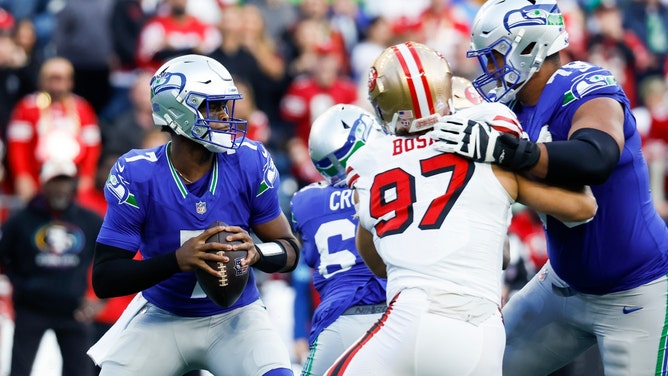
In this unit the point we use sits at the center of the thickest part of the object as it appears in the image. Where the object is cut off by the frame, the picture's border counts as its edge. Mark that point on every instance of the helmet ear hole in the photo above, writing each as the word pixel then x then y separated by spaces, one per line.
pixel 528 49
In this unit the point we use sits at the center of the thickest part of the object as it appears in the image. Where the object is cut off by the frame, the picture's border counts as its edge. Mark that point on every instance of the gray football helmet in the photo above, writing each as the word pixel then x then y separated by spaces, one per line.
pixel 524 32
pixel 336 135
pixel 188 94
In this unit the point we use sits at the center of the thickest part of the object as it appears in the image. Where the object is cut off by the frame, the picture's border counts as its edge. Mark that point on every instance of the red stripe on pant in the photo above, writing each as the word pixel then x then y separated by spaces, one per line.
pixel 339 367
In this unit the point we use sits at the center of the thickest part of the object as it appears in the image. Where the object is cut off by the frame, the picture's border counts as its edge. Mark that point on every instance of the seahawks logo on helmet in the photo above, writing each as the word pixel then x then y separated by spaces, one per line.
pixel 167 81
pixel 545 14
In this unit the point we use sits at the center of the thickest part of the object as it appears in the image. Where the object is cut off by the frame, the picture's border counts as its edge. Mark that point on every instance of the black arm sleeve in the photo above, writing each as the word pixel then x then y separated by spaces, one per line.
pixel 587 158
pixel 516 154
pixel 115 273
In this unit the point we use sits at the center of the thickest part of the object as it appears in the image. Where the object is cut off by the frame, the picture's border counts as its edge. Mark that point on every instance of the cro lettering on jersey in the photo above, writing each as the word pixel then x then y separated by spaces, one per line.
pixel 340 200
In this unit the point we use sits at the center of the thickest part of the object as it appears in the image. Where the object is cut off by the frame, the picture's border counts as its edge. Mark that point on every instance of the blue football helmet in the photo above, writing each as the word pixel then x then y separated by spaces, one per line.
pixel 524 32
pixel 189 93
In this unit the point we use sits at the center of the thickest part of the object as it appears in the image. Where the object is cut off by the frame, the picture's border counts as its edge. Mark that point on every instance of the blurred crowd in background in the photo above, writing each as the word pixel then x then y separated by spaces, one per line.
pixel 74 80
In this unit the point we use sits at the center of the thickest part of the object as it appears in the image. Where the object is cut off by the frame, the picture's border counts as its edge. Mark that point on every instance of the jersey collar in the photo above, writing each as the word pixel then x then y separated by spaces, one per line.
pixel 213 181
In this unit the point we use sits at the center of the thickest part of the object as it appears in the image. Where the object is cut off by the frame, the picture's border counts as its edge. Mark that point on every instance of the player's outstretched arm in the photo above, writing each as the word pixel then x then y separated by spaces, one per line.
pixel 564 204
pixel 280 250
pixel 596 136
pixel 480 141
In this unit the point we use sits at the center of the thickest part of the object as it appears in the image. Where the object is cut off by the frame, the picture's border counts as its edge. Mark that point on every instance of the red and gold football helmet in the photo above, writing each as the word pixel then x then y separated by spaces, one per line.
pixel 410 87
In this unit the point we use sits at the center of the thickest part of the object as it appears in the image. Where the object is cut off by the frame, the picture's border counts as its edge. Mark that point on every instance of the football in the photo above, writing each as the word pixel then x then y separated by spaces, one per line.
pixel 226 289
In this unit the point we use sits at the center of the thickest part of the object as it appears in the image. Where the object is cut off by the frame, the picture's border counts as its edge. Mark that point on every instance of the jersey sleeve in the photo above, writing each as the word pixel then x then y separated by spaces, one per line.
pixel 265 205
pixel 20 140
pixel 579 82
pixel 355 164
pixel 303 206
pixel 295 212
pixel 122 224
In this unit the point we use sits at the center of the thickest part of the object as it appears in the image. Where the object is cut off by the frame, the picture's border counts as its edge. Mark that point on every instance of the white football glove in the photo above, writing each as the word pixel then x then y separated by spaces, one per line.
pixel 469 138
pixel 479 141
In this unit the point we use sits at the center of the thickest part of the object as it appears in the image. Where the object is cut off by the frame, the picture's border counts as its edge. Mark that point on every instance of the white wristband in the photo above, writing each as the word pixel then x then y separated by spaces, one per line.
pixel 270 249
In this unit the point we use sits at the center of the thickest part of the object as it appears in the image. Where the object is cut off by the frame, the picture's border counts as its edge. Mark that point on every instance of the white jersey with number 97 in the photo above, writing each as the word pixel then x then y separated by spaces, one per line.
pixel 439 221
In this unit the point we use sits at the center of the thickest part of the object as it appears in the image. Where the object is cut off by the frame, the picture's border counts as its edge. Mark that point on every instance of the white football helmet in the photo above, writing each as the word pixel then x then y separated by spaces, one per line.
pixel 186 93
pixel 410 87
pixel 335 135
pixel 524 32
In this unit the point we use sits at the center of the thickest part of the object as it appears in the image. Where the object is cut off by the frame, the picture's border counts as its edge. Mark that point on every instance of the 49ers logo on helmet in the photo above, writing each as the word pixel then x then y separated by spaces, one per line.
pixel 373 75
pixel 472 95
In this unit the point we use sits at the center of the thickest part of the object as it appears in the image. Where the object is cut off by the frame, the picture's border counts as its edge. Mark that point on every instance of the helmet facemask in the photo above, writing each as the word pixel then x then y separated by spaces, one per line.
pixel 216 127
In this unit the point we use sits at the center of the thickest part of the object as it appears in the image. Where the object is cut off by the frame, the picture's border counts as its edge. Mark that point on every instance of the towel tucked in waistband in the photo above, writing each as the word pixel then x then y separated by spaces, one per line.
pixel 365 309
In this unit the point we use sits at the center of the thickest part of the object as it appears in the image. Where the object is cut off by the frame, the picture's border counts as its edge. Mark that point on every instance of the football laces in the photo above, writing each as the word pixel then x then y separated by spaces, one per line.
pixel 222 281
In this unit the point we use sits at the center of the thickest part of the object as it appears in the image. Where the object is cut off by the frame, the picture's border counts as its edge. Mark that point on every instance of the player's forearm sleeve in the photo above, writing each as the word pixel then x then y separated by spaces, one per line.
pixel 587 158
pixel 115 273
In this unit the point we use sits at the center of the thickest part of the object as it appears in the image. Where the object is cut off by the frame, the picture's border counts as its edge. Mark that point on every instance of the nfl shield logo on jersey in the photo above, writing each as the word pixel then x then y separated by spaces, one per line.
pixel 201 207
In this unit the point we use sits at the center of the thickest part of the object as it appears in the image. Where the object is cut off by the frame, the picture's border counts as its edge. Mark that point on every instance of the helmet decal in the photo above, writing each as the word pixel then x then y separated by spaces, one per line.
pixel 167 81
pixel 539 14
pixel 373 75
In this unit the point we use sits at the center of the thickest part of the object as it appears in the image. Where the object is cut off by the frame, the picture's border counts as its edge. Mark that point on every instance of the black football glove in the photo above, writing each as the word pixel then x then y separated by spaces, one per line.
pixel 479 141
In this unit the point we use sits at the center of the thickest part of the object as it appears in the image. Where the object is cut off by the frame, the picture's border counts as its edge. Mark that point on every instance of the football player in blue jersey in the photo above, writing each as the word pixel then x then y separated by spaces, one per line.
pixel 161 202
pixel 605 282
pixel 352 298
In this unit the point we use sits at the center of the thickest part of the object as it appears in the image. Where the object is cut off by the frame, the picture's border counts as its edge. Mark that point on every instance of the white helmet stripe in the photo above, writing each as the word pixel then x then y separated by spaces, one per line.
pixel 416 81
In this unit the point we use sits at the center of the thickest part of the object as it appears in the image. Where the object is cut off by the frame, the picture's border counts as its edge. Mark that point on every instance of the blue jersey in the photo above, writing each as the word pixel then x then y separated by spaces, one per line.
pixel 324 217
pixel 626 244
pixel 151 210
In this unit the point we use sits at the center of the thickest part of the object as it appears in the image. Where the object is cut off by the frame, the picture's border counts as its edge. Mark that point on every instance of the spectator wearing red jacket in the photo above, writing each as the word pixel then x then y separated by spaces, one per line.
pixel 52 123
pixel 306 98
pixel 176 33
